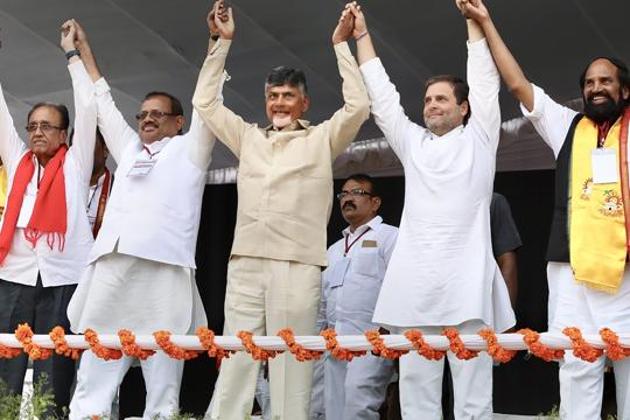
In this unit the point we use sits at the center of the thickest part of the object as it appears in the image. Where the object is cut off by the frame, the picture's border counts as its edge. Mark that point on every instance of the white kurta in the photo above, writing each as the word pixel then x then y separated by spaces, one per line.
pixel 119 289
pixel 570 303
pixel 442 270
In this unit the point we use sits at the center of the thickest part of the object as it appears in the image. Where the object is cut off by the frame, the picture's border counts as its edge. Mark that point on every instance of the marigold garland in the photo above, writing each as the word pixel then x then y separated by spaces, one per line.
pixel 58 337
pixel 163 339
pixel 130 348
pixel 24 334
pixel 581 348
pixel 421 346
pixel 379 348
pixel 301 354
pixel 256 352
pixel 206 339
pixel 91 337
pixel 532 340
pixel 495 350
pixel 457 345
pixel 339 353
pixel 614 351
pixel 9 352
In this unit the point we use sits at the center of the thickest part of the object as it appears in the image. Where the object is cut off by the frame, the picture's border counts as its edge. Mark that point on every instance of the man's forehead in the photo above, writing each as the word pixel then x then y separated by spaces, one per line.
pixel 161 103
pixel 440 88
pixel 601 67
pixel 282 88
pixel 45 113
pixel 353 183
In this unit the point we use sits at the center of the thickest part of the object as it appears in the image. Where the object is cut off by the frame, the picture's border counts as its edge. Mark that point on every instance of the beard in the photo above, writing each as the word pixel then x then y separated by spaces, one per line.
pixel 605 111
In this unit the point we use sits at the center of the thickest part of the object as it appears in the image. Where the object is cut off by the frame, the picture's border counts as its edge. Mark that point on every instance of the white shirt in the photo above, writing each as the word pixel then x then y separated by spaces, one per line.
pixel 57 268
pixel 351 283
pixel 442 270
pixel 155 217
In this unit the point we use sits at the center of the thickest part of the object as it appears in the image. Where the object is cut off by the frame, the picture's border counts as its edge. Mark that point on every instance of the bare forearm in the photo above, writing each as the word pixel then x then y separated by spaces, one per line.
pixel 475 33
pixel 365 49
pixel 90 63
pixel 509 269
pixel 508 67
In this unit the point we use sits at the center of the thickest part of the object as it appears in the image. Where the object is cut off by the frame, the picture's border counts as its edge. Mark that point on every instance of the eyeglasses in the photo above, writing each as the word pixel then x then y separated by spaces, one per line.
pixel 355 192
pixel 156 115
pixel 44 126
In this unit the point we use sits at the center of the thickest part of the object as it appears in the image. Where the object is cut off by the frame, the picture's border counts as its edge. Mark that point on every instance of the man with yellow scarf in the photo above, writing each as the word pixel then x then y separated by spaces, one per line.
pixel 588 275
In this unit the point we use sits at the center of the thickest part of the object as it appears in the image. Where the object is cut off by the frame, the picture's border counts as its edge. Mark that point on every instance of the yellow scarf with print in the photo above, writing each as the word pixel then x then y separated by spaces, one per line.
pixel 597 220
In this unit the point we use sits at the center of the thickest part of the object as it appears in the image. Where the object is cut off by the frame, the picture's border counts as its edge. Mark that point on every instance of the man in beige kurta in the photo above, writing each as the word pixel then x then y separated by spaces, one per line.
pixel 285 190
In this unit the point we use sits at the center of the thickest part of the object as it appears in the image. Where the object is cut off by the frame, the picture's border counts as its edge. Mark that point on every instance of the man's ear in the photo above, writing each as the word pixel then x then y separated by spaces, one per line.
pixel 464 107
pixel 625 93
pixel 179 121
pixel 306 103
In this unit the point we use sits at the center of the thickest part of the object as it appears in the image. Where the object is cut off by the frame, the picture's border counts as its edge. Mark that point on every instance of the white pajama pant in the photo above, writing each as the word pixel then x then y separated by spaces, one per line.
pixel 572 304
pixel 421 382
pixel 98 381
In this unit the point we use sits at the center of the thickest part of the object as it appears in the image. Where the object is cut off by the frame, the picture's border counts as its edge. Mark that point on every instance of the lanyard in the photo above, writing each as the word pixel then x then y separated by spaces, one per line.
pixel 149 152
pixel 353 242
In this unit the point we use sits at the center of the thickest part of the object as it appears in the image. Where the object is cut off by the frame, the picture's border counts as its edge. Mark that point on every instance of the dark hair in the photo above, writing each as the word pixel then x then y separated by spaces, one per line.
pixel 60 108
pixel 176 105
pixel 364 178
pixel 460 89
pixel 283 75
pixel 622 71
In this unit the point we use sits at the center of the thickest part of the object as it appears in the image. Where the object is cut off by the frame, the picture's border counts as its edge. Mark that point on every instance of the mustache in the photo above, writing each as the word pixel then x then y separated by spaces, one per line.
pixel 592 96
pixel 349 204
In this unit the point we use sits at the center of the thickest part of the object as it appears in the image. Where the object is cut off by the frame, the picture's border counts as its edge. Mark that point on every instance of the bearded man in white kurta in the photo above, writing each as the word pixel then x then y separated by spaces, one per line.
pixel 588 274
pixel 442 271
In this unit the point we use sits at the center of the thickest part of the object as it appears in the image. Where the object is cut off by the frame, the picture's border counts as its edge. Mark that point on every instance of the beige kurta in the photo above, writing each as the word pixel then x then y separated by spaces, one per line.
pixel 285 177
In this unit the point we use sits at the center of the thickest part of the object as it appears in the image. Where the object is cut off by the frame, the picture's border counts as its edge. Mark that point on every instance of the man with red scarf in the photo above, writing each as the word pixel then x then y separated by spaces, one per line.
pixel 588 274
pixel 45 236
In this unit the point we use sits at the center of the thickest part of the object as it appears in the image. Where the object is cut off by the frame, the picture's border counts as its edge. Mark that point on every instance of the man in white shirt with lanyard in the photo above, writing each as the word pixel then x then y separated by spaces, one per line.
pixel 350 287
pixel 45 237
pixel 142 267
pixel 442 272
pixel 587 271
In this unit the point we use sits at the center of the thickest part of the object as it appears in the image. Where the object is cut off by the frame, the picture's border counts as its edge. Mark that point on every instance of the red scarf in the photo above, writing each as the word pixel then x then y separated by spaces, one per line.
pixel 49 215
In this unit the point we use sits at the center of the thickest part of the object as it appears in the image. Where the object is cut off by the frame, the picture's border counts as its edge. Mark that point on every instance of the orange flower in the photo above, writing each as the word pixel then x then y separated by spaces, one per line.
pixel 24 334
pixel 379 348
pixel 206 338
pixel 337 352
pixel 256 352
pixel 130 348
pixel 58 336
pixel 457 345
pixel 163 339
pixel 581 348
pixel 495 350
pixel 423 349
pixel 538 349
pixel 614 351
pixel 9 352
pixel 91 337
pixel 301 354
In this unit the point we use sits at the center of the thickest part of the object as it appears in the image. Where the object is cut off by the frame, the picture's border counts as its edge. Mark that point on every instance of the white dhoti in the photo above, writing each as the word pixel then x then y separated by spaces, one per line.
pixel 572 304
pixel 119 291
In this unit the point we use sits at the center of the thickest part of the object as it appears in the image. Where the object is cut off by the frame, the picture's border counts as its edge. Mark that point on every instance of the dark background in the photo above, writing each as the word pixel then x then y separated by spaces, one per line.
pixel 523 386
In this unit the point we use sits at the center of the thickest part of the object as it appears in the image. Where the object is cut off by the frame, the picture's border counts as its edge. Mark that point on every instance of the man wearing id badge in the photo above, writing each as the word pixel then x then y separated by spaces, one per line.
pixel 141 275
pixel 350 287
pixel 587 271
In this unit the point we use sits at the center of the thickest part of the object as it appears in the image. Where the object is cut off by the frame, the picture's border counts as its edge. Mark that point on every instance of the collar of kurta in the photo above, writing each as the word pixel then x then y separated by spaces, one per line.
pixel 372 224
pixel 295 125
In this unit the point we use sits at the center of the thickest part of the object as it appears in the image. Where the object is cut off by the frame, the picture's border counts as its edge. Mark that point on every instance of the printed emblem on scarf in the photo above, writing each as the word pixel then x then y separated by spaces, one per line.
pixel 612 205
pixel 587 189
